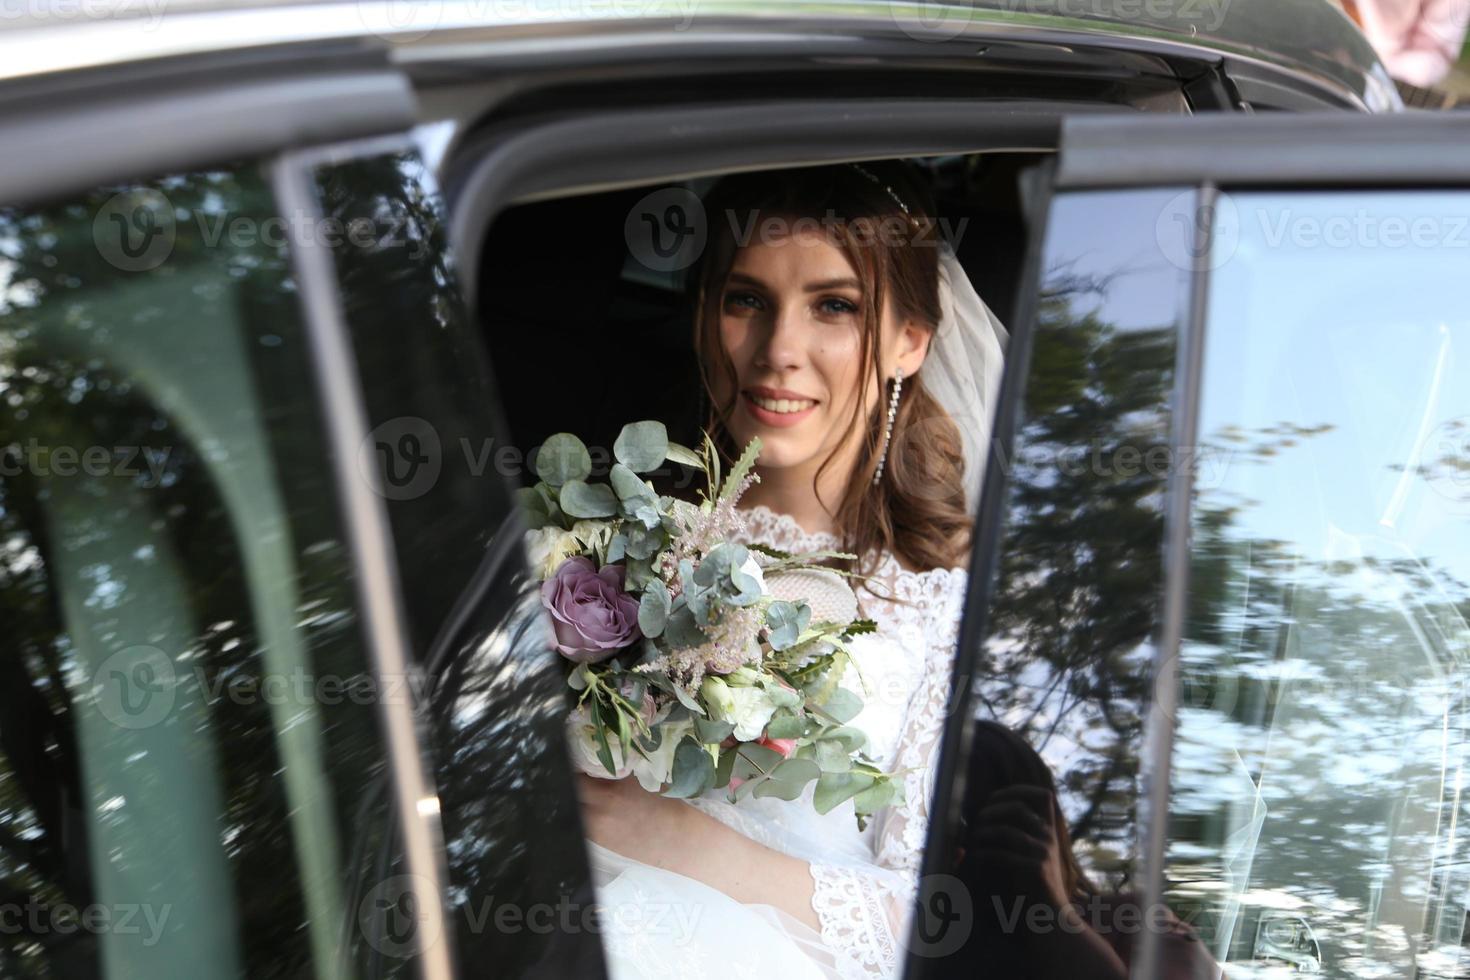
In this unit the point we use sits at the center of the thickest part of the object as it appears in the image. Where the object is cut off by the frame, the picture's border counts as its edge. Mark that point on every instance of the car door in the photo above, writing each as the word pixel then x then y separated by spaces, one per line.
pixel 215 734
pixel 1220 584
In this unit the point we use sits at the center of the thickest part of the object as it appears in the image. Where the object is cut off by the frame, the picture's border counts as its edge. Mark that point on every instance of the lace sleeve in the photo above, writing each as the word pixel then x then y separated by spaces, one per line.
pixel 864 912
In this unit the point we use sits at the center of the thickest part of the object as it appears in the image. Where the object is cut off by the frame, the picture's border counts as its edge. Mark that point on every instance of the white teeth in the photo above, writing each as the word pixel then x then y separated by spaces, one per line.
pixel 783 406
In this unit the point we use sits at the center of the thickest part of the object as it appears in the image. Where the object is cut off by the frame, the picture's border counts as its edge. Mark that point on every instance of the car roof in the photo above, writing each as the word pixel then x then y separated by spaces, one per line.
pixel 1312 37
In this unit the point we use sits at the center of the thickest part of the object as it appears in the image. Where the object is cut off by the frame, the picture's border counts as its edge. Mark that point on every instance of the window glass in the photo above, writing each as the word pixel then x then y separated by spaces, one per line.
pixel 1316 820
pixel 519 894
pixel 1067 661
pixel 187 723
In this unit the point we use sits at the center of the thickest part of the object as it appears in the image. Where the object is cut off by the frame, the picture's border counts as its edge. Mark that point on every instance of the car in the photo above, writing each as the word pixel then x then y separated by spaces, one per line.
pixel 279 335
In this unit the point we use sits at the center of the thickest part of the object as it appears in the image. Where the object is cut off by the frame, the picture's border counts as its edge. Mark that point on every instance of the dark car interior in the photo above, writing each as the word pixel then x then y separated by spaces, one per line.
pixel 558 285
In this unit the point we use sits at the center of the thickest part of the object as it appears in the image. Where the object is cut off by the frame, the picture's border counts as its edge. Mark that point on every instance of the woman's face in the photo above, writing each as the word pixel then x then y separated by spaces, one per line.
pixel 791 320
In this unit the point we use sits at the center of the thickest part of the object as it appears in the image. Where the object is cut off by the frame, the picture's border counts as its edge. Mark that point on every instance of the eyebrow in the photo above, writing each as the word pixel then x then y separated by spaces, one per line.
pixel 811 287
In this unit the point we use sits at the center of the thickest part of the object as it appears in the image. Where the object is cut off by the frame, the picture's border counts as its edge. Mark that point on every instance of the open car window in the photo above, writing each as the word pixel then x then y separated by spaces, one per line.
pixel 1225 593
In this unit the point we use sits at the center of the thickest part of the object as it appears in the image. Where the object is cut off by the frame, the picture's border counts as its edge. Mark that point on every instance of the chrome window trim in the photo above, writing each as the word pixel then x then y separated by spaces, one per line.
pixel 1157 756
pixel 384 626
pixel 461 29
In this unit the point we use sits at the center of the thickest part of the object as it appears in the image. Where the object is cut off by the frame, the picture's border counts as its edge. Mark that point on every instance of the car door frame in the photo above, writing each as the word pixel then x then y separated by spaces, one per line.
pixel 276 107
pixel 1210 155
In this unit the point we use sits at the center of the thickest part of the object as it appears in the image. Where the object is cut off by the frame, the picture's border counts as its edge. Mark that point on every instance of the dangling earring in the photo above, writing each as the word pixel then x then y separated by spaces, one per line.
pixel 888 429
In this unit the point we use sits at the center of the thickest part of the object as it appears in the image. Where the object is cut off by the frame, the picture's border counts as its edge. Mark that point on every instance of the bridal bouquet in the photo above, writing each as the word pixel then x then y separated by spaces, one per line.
pixel 696 662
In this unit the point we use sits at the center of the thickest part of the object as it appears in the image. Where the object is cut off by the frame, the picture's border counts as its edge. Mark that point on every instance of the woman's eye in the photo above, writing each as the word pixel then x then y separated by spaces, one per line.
pixel 743 301
pixel 838 306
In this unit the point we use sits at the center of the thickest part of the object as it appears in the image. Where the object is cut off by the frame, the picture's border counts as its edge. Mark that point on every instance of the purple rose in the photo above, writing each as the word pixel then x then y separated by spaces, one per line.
pixel 591 615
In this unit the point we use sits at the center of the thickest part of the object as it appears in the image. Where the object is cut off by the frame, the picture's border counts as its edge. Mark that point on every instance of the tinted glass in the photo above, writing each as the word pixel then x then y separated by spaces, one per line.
pixel 1316 819
pixel 1069 646
pixel 519 891
pixel 187 724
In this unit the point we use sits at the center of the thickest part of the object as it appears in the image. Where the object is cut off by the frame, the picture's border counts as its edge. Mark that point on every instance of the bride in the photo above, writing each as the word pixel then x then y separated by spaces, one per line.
pixel 831 323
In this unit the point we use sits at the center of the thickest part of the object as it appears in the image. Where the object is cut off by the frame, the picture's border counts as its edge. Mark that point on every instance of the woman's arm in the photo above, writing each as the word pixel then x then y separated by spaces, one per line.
pixel 666 833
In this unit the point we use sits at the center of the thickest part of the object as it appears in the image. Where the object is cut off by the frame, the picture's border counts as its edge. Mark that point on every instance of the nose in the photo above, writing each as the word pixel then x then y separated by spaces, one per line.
pixel 783 343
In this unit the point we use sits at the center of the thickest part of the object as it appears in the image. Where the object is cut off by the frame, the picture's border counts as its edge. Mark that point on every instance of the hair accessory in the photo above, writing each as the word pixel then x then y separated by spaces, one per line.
pixel 874 178
pixel 888 429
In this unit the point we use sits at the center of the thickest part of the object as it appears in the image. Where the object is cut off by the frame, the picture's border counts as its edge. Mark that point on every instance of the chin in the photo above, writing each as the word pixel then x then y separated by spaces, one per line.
pixel 779 453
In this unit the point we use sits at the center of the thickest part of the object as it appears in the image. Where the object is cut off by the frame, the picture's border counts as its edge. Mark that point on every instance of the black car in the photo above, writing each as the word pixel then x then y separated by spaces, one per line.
pixel 289 293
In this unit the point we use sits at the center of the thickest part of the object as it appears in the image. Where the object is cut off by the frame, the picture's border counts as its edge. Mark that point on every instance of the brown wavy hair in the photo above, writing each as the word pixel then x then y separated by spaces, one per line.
pixel 917 511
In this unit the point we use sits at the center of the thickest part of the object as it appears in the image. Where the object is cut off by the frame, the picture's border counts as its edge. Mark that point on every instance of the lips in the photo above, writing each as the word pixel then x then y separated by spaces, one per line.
pixel 779 407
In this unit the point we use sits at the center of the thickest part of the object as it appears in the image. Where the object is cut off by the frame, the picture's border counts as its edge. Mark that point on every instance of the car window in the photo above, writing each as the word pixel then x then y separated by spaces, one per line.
pixel 1315 820
pixel 187 720
pixel 1074 607
pixel 1058 688
pixel 491 695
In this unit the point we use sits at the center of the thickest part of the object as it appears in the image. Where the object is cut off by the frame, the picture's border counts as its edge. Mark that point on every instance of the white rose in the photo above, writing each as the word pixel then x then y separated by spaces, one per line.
pixel 749 709
pixel 548 547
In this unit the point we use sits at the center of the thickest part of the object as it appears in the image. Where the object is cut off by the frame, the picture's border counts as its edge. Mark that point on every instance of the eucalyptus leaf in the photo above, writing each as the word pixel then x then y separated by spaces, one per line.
pixel 563 458
pixel 788 779
pixel 616 548
pixel 580 499
pixel 653 608
pixel 629 485
pixel 785 621
pixel 694 771
pixel 787 726
pixel 875 797
pixel 851 739
pixel 533 506
pixel 710 731
pixel 642 542
pixel 755 760
pixel 842 705
pixel 835 788
pixel 642 446
pixel 681 631
pixel 832 755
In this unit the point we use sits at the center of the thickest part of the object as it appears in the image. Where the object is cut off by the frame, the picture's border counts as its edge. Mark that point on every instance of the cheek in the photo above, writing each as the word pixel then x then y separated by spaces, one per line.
pixel 837 357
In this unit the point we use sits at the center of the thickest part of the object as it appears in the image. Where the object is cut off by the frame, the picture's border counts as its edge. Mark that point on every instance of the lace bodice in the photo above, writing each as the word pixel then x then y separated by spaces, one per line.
pixel 863 881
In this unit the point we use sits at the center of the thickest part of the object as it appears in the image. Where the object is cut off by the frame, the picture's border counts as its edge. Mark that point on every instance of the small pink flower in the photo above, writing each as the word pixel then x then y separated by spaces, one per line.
pixel 785 746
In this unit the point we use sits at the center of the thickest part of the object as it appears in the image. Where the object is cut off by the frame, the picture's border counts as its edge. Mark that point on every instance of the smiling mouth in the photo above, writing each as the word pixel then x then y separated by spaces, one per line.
pixel 781 406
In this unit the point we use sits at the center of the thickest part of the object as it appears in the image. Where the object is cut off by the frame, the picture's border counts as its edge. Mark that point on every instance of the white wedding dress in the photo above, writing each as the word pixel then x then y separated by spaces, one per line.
pixel 658 924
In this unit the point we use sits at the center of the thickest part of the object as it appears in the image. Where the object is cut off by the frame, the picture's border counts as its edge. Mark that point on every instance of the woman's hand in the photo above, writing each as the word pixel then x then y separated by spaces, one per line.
pixel 624 817
pixel 667 833
pixel 1013 840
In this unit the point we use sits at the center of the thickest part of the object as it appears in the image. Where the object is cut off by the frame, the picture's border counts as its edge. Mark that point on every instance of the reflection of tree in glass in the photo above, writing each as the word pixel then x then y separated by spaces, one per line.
pixel 497 699
pixel 1335 690
pixel 54 280
pixel 1068 656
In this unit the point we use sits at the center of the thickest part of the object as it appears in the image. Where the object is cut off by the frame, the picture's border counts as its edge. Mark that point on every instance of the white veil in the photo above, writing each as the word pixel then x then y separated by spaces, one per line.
pixel 963 367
